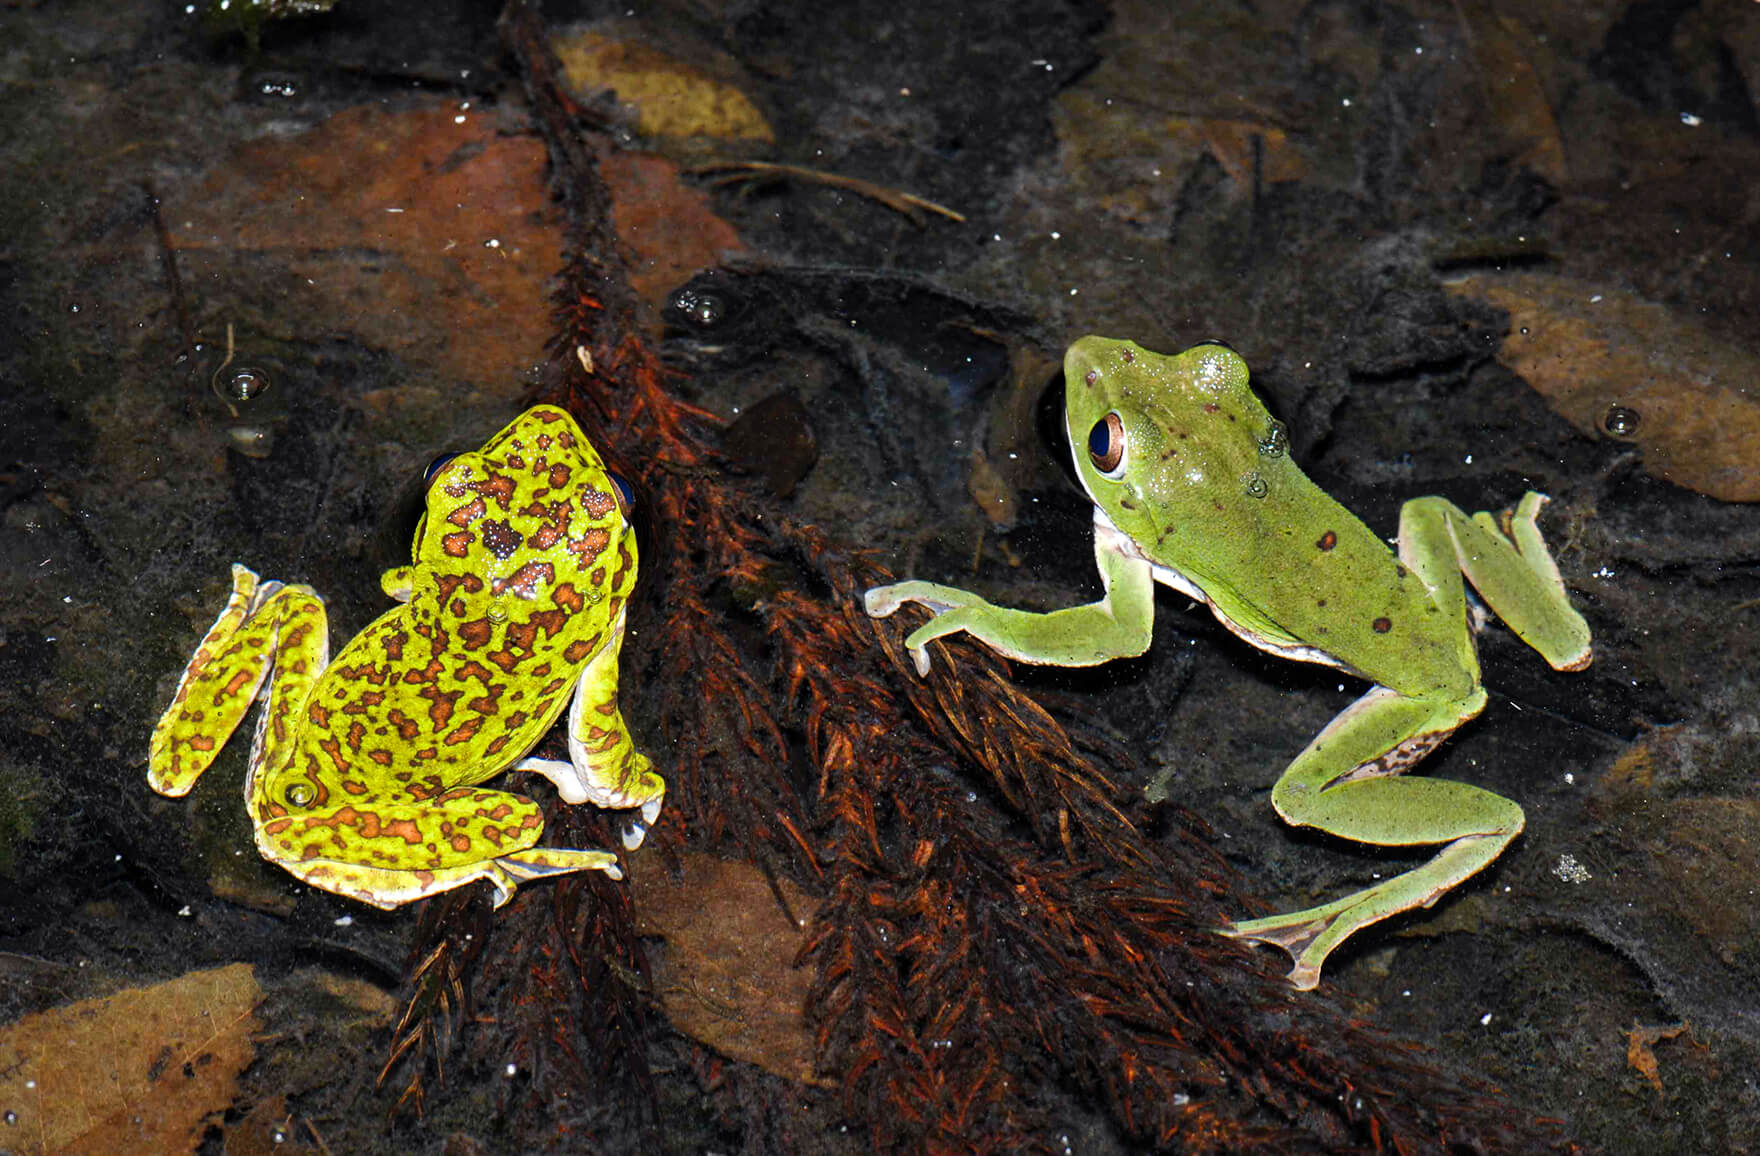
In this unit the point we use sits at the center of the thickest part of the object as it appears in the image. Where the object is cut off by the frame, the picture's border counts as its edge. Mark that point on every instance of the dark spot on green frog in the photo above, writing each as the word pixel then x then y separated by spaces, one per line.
pixel 1327 540
pixel 1382 625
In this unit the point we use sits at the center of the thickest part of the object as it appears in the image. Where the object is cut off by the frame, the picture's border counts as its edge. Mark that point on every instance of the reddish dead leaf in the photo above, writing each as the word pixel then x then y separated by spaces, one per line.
pixel 424 232
pixel 670 228
pixel 431 234
pixel 729 978
pixel 139 1071
pixel 1616 365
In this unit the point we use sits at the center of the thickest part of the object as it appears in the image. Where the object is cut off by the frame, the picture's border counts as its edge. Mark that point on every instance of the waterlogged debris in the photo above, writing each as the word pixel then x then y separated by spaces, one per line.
pixel 1641 1041
pixel 1504 52
pixel 774 439
pixel 1615 365
pixel 223 18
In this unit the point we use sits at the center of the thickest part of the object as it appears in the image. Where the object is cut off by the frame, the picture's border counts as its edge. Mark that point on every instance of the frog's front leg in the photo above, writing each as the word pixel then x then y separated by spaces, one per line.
pixel 264 627
pixel 603 767
pixel 1347 783
pixel 388 851
pixel 1119 625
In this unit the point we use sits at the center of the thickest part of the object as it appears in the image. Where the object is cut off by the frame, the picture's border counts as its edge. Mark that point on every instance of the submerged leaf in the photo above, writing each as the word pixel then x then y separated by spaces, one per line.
pixel 1615 365
pixel 137 1071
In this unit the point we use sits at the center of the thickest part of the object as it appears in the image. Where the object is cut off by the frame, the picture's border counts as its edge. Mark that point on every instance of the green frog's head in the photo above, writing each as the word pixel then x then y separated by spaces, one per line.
pixel 1165 443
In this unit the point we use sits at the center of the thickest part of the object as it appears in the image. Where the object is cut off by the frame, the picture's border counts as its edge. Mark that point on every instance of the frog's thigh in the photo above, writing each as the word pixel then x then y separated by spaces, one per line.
pixel 1508 565
pixel 264 628
pixel 392 851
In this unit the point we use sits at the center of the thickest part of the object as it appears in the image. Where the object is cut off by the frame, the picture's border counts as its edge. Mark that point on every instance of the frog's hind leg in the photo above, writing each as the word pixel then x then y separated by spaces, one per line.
pixel 1378 738
pixel 1508 563
pixel 264 627
pixel 603 767
pixel 388 852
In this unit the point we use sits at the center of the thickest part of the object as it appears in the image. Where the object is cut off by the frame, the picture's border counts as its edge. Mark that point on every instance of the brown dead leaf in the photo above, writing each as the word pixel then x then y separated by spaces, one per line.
pixel 1131 161
pixel 1243 146
pixel 728 977
pixel 138 1071
pixel 1616 365
pixel 269 1130
pixel 1504 52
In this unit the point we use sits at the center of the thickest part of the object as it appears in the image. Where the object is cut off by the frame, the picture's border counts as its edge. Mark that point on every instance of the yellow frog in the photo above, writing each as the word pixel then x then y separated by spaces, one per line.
pixel 364 772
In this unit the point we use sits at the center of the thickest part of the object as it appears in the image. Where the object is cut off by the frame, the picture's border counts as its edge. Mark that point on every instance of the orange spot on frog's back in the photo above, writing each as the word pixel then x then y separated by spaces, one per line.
pixel 468 513
pixel 405 829
pixel 497 486
pixel 465 731
pixel 476 633
pixel 567 597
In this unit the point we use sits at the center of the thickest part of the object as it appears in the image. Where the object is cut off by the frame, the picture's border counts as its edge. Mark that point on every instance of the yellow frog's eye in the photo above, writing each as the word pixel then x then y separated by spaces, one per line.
pixel 299 794
pixel 626 493
pixel 438 464
pixel 1106 444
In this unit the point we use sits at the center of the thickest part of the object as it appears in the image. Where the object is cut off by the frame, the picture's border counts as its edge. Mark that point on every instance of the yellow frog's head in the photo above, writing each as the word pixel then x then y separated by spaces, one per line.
pixel 533 511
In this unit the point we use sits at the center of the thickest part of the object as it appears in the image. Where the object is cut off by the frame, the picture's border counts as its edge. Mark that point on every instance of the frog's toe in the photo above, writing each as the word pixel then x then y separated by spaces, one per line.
pixel 543 862
pixel 920 655
pixel 637 831
pixel 879 602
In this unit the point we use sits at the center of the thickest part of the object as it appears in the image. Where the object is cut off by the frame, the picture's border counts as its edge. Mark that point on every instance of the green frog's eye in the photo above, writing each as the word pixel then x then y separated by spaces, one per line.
pixel 626 493
pixel 438 464
pixel 1106 444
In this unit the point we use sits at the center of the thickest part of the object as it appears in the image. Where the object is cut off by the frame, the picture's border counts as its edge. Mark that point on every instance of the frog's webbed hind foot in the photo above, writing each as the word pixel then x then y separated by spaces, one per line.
pixel 1295 934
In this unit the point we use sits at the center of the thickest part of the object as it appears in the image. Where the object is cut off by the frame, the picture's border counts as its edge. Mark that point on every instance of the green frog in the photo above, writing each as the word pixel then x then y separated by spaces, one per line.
pixel 1193 487
pixel 365 774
